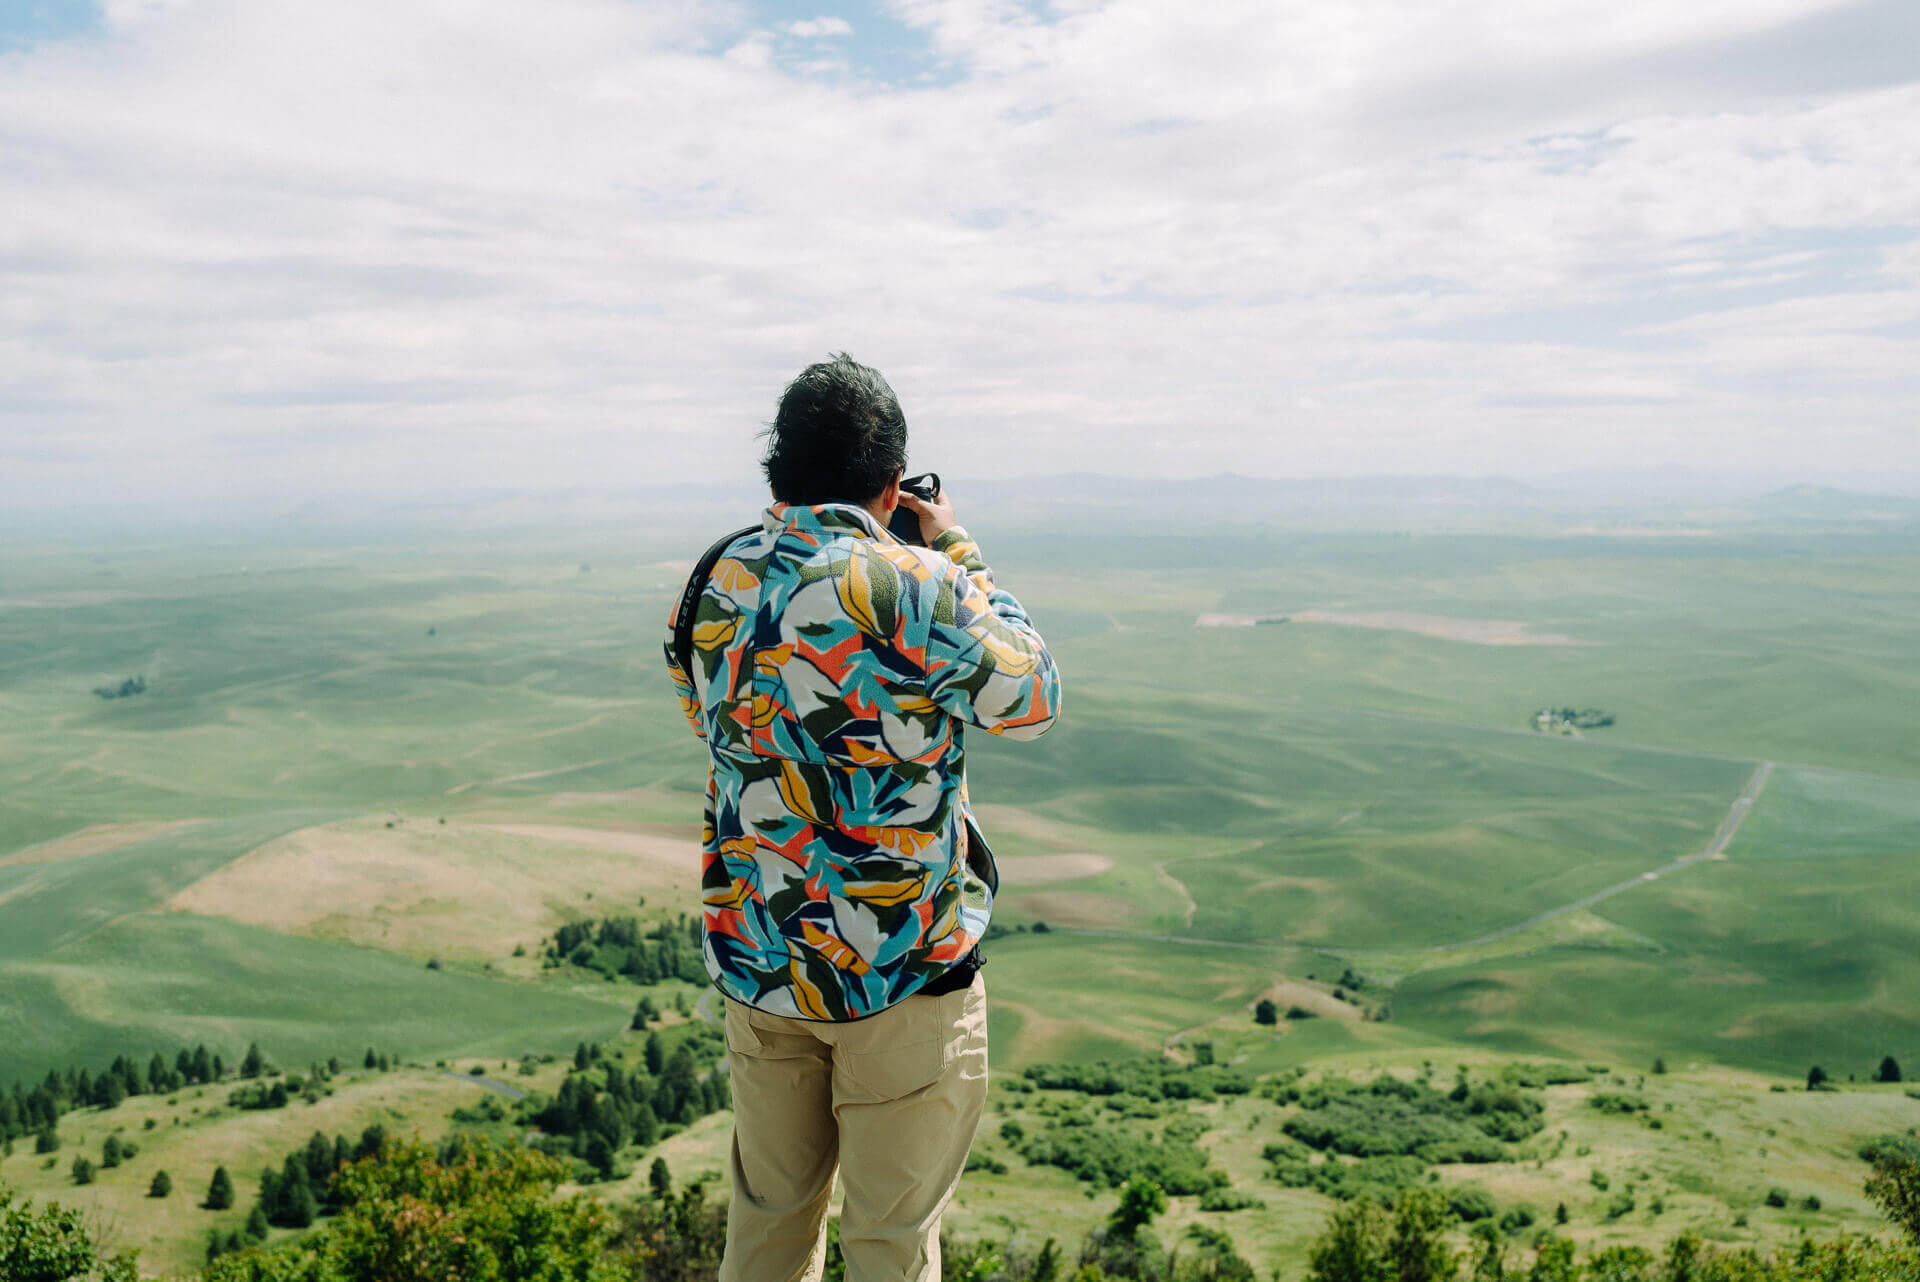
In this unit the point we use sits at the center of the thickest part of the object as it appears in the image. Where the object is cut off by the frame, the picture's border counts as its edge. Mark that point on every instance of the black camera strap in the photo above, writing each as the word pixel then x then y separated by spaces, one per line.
pixel 690 597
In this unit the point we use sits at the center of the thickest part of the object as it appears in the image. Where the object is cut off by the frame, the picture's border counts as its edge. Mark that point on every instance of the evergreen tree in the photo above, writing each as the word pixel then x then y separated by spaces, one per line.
pixel 1889 1070
pixel 1816 1077
pixel 162 1185
pixel 110 1151
pixel 580 1057
pixel 220 1191
pixel 646 1125
pixel 255 1063
pixel 82 1171
pixel 372 1060
pixel 46 1139
pixel 301 1206
pixel 659 1178
pixel 656 1054
pixel 256 1229
pixel 1046 1265
pixel 1140 1201
pixel 1266 1012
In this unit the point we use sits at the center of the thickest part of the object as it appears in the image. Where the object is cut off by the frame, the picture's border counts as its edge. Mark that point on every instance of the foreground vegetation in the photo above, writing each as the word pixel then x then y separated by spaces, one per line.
pixel 476 1209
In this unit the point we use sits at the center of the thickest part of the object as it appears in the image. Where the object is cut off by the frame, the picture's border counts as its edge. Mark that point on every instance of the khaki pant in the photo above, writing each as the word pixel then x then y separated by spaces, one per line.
pixel 891 1100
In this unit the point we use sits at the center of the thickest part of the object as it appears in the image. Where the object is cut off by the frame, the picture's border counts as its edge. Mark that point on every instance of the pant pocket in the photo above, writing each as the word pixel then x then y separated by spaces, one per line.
pixel 907 1049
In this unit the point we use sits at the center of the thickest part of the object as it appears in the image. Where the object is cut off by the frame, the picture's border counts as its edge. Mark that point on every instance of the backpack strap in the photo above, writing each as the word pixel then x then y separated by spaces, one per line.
pixel 690 597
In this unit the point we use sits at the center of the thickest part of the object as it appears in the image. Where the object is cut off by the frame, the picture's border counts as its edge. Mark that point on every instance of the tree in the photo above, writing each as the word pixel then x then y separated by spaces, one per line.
pixel 1265 1012
pixel 162 1185
pixel 256 1229
pixel 1417 1252
pixel 600 1155
pixel 220 1191
pixel 1140 1201
pixel 1816 1077
pixel 51 1244
pixel 1659 1065
pixel 46 1140
pixel 656 1054
pixel 110 1153
pixel 1491 1266
pixel 1352 1247
pixel 659 1178
pixel 255 1063
pixel 1046 1265
pixel 1889 1070
pixel 82 1171
pixel 1895 1186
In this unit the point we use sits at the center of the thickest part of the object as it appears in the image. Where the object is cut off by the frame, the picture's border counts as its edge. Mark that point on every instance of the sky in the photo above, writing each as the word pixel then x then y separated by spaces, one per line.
pixel 287 248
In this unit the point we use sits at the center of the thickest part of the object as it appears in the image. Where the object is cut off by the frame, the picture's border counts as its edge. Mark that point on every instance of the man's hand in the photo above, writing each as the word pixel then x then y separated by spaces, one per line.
pixel 935 515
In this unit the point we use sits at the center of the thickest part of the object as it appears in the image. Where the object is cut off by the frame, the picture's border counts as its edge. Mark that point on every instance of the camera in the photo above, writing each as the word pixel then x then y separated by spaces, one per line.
pixel 904 524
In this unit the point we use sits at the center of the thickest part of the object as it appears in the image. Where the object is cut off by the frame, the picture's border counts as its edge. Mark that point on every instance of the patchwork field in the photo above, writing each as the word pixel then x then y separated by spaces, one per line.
pixel 351 761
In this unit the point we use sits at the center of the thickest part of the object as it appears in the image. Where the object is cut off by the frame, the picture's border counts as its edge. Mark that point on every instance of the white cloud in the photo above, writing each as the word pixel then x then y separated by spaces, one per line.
pixel 819 28
pixel 396 246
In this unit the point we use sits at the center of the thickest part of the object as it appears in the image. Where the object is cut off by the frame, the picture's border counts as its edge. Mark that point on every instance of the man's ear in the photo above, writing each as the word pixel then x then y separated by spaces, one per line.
pixel 890 497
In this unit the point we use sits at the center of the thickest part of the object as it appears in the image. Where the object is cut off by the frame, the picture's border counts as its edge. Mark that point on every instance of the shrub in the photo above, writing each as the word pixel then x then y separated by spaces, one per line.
pixel 1776 1197
pixel 1227 1200
pixel 1617 1102
pixel 162 1185
pixel 1471 1203
pixel 82 1171
pixel 1265 1012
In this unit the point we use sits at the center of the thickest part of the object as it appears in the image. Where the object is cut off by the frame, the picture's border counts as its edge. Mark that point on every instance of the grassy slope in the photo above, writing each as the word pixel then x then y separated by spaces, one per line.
pixel 1799 948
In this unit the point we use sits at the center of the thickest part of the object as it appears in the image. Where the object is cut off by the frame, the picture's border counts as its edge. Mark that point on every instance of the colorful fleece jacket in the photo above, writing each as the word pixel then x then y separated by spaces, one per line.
pixel 835 668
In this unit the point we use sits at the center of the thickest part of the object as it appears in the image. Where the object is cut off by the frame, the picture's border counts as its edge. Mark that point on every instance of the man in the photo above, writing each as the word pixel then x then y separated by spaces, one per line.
pixel 844 883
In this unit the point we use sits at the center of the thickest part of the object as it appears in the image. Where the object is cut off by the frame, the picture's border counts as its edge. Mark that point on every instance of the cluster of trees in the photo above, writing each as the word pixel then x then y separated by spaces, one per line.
pixel 620 946
pixel 1581 718
pixel 1151 1079
pixel 303 1189
pixel 1365 1241
pixel 37 1110
pixel 603 1105
pixel 1392 1117
pixel 1888 1072
pixel 122 689
pixel 473 1208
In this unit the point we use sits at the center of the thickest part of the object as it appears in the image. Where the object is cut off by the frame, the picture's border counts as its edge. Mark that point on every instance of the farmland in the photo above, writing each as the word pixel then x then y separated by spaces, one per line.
pixel 364 780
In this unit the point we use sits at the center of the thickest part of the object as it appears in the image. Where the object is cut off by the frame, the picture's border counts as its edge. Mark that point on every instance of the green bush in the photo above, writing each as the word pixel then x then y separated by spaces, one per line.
pixel 1471 1203
pixel 487 1212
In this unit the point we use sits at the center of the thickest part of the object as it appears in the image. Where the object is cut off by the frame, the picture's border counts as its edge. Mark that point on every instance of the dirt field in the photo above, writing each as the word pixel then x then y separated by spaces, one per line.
pixel 1474 631
pixel 1033 870
pixel 458 890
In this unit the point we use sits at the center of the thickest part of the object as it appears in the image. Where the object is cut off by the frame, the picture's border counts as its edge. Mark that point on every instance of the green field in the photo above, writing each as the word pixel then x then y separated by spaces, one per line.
pixel 355 756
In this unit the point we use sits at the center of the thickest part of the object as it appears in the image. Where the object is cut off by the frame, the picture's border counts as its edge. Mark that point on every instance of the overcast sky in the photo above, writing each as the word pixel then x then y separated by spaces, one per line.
pixel 295 247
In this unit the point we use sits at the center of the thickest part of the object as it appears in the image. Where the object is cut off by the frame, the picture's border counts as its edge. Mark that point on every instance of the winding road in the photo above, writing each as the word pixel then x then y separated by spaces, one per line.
pixel 1714 849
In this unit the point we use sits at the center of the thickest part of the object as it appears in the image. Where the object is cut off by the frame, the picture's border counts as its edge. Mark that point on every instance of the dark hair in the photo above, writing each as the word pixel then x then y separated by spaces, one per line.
pixel 839 435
